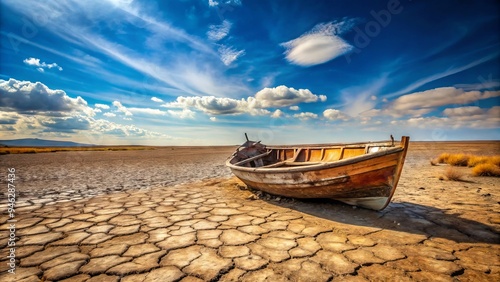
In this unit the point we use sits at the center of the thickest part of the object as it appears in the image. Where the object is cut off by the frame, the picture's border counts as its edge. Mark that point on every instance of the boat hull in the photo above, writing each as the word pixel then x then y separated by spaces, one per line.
pixel 367 181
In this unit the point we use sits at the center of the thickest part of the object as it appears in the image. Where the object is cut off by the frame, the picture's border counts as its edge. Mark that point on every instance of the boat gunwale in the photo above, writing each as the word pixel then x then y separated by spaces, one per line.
pixel 316 166
pixel 387 143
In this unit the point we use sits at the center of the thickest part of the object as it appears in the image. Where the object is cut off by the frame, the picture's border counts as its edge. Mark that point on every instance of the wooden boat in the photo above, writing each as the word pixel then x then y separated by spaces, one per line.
pixel 360 174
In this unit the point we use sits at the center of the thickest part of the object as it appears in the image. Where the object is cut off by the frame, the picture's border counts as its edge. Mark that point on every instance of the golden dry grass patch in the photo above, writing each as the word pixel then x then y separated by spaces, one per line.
pixel 486 169
pixel 482 165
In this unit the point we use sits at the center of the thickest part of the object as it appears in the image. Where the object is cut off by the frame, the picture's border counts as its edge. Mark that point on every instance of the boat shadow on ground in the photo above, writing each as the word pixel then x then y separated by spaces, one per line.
pixel 405 217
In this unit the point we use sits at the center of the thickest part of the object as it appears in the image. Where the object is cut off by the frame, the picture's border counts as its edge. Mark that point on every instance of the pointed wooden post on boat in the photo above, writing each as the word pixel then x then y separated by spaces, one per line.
pixel 246 136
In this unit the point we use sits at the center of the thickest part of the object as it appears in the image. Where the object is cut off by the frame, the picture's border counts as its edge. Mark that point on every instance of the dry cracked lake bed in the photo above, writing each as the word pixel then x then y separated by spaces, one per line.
pixel 176 214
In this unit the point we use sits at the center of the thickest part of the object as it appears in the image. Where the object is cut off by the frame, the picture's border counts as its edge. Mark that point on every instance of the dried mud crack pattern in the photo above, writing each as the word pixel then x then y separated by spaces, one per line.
pixel 212 231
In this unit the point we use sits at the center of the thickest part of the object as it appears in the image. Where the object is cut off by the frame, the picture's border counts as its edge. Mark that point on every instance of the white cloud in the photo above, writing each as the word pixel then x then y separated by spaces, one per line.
pixel 184 114
pixel 106 127
pixel 229 54
pixel 333 114
pixel 179 70
pixel 213 118
pixel 277 114
pixel 32 109
pixel 216 106
pixel 157 100
pixel 215 3
pixel 218 32
pixel 294 108
pixel 283 96
pixel 121 108
pixel 280 96
pixel 36 98
pixel 319 45
pixel 102 106
pixel 463 111
pixel 306 116
pixel 36 63
pixel 440 97
pixel 146 111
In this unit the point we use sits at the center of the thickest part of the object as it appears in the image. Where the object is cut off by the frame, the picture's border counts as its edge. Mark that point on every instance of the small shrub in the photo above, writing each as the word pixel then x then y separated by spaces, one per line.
pixel 458 160
pixel 453 174
pixel 495 160
pixel 476 160
pixel 443 158
pixel 486 169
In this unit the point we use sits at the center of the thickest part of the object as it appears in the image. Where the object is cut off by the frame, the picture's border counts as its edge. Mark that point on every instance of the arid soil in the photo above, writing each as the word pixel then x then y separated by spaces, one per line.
pixel 175 214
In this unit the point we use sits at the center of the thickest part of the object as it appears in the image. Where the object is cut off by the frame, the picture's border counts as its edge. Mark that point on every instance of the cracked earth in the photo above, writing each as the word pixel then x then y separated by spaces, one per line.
pixel 216 230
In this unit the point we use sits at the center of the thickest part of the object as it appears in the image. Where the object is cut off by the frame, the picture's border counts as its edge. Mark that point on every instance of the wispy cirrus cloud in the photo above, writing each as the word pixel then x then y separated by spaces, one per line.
pixel 443 74
pixel 172 69
pixel 229 54
pixel 218 32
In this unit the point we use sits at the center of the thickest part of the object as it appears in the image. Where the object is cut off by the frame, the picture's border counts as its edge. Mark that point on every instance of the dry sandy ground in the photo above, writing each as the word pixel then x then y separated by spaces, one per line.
pixel 138 216
pixel 71 175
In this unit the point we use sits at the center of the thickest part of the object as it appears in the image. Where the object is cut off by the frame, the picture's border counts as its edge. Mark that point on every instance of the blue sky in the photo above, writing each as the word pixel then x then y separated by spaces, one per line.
pixel 203 72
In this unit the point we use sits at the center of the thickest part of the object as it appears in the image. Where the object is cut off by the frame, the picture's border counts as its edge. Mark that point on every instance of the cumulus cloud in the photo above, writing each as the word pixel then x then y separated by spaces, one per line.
pixel 41 66
pixel 121 108
pixel 36 98
pixel 66 124
pixel 102 106
pixel 106 127
pixel 216 106
pixel 218 32
pixel 306 116
pixel 9 117
pixel 294 108
pixel 280 96
pixel 440 97
pixel 283 96
pixel 229 54
pixel 463 111
pixel 28 108
pixel 333 114
pixel 319 45
pixel 213 118
pixel 277 114
pixel 157 100
pixel 184 114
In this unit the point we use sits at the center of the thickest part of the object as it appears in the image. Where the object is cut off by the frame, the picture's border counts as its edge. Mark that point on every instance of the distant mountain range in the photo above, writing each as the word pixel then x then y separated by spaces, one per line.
pixel 35 142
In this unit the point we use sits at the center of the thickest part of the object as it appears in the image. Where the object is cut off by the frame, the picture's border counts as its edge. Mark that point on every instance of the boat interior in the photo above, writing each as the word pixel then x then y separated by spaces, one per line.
pixel 254 154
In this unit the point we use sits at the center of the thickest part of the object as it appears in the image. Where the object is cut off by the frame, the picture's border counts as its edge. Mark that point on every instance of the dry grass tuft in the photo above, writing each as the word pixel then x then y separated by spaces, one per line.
pixel 465 160
pixel 476 160
pixel 486 169
pixel 443 158
pixel 458 160
pixel 453 174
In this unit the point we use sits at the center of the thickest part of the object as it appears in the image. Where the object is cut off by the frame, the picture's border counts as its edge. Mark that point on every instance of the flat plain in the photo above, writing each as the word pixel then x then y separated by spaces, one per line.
pixel 176 214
